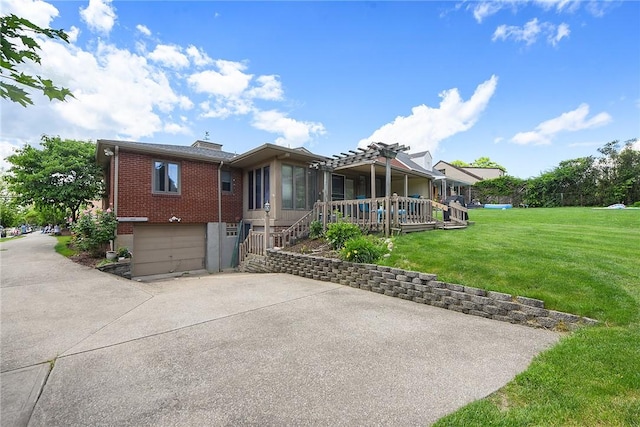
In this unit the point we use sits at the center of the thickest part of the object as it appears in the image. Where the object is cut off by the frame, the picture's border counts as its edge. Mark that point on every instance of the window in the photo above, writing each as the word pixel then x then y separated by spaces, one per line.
pixel 294 187
pixel 166 177
pixel 337 187
pixel 226 181
pixel 258 187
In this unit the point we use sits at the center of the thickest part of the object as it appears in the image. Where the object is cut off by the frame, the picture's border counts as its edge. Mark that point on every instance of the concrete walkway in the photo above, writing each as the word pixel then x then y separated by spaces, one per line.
pixel 81 347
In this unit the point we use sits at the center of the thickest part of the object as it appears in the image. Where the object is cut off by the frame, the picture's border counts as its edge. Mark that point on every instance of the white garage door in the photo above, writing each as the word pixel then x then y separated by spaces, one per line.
pixel 162 249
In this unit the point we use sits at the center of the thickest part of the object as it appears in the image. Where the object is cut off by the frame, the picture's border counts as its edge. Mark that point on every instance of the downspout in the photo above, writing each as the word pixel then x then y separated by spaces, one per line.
pixel 220 216
pixel 116 175
pixel 115 181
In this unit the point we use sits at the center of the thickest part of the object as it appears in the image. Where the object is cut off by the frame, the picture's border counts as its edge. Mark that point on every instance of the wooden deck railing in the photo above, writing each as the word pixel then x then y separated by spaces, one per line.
pixel 372 212
pixel 369 214
pixel 253 244
pixel 458 213
pixel 298 230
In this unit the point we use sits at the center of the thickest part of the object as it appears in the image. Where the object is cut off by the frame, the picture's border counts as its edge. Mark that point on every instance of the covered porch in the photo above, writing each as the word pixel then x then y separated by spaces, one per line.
pixel 402 202
pixel 380 188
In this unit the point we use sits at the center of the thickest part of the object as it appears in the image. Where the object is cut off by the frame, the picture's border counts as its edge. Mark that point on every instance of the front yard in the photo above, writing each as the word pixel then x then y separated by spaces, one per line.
pixel 577 260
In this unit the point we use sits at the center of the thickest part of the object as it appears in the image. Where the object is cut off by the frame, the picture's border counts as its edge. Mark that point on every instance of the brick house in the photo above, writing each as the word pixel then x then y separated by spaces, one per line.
pixel 171 203
pixel 186 208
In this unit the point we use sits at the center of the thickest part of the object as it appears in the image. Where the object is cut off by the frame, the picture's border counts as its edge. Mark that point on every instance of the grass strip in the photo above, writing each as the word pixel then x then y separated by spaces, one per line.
pixel 63 246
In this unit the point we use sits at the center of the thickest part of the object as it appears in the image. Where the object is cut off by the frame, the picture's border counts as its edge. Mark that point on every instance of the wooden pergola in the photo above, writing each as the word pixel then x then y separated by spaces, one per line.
pixel 370 154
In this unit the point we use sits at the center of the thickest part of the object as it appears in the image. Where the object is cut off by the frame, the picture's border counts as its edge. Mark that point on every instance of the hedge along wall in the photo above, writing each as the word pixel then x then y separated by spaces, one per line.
pixel 424 289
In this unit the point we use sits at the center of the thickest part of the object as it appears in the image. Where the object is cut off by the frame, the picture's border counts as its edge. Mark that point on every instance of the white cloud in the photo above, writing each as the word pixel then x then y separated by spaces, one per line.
pixel 73 34
pixel 135 94
pixel 117 94
pixel 559 5
pixel 269 88
pixel 7 148
pixel 426 127
pixel 99 16
pixel 484 9
pixel 143 29
pixel 229 81
pixel 530 31
pixel 562 31
pixel 198 57
pixel 571 121
pixel 294 133
pixel 175 128
pixel 36 11
pixel 232 91
pixel 169 56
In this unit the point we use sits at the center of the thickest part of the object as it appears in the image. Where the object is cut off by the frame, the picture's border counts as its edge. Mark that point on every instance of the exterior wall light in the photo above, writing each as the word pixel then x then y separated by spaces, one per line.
pixel 175 219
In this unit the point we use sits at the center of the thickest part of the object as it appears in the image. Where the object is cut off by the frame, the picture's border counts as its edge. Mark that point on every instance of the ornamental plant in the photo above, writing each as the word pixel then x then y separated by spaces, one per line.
pixel 365 249
pixel 315 229
pixel 92 233
pixel 339 232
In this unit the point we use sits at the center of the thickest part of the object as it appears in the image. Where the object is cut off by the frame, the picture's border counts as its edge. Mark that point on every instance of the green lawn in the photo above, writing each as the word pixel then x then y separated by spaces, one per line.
pixel 62 247
pixel 578 260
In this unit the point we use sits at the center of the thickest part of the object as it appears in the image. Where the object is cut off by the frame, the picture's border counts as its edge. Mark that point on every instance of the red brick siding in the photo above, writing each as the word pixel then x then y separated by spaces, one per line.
pixel 197 203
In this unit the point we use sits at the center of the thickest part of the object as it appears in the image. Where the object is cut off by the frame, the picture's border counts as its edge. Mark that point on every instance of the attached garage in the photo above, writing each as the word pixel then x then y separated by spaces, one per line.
pixel 163 249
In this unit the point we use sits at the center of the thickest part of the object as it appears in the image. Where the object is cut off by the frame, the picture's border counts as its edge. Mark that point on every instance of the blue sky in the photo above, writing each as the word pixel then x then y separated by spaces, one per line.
pixel 528 84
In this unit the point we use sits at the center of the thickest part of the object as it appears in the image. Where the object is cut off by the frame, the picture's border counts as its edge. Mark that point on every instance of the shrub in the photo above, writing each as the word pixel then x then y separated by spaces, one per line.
pixel 93 233
pixel 365 249
pixel 315 229
pixel 339 232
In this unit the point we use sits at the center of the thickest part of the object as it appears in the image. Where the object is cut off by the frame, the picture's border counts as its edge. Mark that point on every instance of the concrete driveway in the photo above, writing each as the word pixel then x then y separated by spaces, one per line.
pixel 81 347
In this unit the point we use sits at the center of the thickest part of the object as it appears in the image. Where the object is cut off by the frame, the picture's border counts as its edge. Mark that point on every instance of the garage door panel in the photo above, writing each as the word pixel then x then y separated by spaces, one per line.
pixel 160 249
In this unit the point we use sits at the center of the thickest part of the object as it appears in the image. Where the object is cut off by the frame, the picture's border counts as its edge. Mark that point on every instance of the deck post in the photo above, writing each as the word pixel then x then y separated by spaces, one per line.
pixel 388 155
pixel 326 194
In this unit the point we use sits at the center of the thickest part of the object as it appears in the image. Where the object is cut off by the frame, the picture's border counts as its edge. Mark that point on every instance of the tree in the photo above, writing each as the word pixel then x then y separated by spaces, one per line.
pixel 19 45
pixel 502 188
pixel 485 162
pixel 62 176
pixel 460 163
pixel 619 179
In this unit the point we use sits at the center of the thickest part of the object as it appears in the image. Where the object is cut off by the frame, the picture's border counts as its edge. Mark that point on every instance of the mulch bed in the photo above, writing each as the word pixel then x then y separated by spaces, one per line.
pixel 86 260
pixel 318 247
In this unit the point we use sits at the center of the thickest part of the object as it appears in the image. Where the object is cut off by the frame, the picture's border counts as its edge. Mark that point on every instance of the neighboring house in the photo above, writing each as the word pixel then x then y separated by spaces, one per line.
pixel 460 179
pixel 179 207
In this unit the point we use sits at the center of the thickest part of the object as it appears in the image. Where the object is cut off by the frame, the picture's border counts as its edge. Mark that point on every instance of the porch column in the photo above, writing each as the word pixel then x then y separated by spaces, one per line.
pixel 406 186
pixel 388 155
pixel 326 194
pixel 373 180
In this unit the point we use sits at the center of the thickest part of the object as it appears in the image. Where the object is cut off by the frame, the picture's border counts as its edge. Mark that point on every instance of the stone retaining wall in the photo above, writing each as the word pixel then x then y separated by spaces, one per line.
pixel 121 268
pixel 424 289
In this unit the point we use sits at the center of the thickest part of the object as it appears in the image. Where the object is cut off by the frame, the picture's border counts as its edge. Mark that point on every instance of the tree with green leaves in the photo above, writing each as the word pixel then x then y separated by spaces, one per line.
pixel 19 44
pixel 480 162
pixel 485 162
pixel 619 169
pixel 62 176
pixel 460 163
